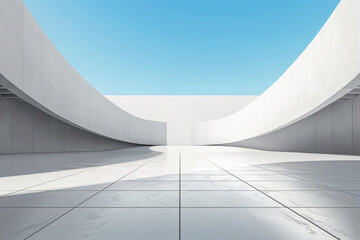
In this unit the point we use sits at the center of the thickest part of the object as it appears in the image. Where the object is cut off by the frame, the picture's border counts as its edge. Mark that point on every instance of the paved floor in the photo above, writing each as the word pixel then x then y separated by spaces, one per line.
pixel 186 193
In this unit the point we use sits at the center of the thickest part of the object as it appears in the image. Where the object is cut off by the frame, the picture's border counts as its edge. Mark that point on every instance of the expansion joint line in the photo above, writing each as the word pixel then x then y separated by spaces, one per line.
pixel 262 192
pixel 85 200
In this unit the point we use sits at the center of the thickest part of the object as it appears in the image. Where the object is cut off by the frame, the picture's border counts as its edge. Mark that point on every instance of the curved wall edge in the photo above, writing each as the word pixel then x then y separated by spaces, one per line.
pixel 327 70
pixel 33 69
pixel 334 129
pixel 26 129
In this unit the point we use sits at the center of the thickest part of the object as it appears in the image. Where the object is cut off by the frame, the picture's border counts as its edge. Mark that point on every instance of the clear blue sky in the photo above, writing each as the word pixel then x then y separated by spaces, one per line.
pixel 181 46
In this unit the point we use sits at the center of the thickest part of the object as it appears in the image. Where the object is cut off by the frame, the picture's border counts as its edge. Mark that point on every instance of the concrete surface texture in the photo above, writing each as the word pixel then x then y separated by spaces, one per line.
pixel 334 129
pixel 180 112
pixel 203 193
pixel 327 70
pixel 33 69
pixel 26 129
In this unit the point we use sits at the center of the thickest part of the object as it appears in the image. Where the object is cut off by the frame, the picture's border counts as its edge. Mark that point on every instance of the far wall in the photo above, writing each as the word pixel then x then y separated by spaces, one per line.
pixel 180 111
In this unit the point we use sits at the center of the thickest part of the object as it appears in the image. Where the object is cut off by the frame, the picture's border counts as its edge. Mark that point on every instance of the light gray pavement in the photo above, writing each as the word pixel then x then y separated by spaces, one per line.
pixel 184 193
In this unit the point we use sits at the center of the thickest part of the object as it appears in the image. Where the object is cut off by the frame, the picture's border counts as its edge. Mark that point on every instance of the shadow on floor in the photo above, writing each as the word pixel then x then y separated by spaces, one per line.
pixel 21 164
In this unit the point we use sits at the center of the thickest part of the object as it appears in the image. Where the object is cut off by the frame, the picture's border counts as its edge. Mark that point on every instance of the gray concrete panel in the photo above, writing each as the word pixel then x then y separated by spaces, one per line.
pixel 22 127
pixel 307 134
pixel 266 141
pixel 6 138
pixel 72 138
pixel 342 126
pixel 85 141
pixel 41 131
pixel 324 130
pixel 356 126
pixel 282 140
pixel 293 141
pixel 57 135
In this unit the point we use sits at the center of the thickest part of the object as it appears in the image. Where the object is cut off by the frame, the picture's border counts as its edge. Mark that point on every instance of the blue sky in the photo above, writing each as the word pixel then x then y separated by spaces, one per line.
pixel 181 47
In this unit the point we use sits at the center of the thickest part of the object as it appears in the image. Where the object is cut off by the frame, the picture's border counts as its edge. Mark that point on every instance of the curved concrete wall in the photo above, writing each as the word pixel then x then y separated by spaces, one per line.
pixel 333 129
pixel 327 70
pixel 26 129
pixel 33 69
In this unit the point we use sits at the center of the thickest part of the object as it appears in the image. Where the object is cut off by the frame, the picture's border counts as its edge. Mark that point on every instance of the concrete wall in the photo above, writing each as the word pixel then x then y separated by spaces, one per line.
pixel 26 129
pixel 179 112
pixel 327 69
pixel 334 129
pixel 33 69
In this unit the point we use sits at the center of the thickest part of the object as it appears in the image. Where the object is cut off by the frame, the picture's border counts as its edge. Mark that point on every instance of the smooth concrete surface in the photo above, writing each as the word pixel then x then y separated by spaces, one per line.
pixel 328 69
pixel 33 69
pixel 334 129
pixel 181 111
pixel 26 129
pixel 179 193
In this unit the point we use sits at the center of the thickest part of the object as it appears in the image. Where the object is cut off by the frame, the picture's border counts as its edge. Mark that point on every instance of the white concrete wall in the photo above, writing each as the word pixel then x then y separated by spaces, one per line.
pixel 333 129
pixel 33 69
pixel 327 69
pixel 181 111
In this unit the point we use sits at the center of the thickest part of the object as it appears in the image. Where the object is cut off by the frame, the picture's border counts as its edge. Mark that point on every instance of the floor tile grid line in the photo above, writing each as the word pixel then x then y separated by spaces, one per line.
pixel 275 200
pixel 305 180
pixel 130 190
pixel 262 180
pixel 193 190
pixel 303 174
pixel 180 195
pixel 162 180
pixel 242 207
pixel 210 180
pixel 85 200
pixel 253 190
